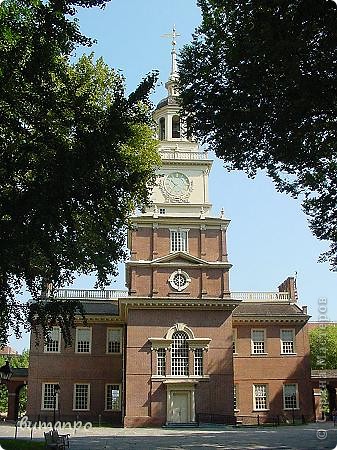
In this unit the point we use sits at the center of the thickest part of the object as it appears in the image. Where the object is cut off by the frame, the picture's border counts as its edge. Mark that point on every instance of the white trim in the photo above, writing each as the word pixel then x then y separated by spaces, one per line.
pixel 180 327
pixel 120 329
pixel 59 341
pixel 179 230
pixel 267 397
pixel 119 397
pixel 183 274
pixel 296 393
pixel 43 393
pixel 74 397
pixel 90 340
pixel 264 340
pixel 294 341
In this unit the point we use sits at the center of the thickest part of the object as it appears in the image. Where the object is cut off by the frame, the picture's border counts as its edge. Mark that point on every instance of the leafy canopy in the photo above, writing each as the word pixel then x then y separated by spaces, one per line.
pixel 323 347
pixel 15 361
pixel 259 79
pixel 76 158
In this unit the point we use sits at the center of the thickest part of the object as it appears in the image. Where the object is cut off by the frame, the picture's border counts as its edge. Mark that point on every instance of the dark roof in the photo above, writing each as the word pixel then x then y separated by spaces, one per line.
pixel 20 372
pixel 267 309
pixel 167 101
pixel 99 308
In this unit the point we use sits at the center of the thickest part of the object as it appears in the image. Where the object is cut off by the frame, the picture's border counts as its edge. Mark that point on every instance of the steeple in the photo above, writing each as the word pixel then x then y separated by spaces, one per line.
pixel 173 78
pixel 182 185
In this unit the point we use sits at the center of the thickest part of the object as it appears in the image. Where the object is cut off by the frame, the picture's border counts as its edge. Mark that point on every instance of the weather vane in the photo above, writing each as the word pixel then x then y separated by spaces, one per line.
pixel 173 35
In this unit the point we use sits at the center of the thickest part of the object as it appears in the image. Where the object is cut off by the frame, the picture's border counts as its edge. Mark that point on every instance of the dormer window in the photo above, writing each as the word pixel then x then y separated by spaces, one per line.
pixel 176 127
pixel 162 129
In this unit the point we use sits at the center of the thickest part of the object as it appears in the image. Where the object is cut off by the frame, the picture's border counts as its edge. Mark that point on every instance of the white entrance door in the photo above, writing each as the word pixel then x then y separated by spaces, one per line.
pixel 179 407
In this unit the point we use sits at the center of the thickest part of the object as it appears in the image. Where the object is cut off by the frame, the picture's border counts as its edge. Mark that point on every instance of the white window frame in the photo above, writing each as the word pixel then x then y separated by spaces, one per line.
pixel 235 341
pixel 161 362
pixel 120 330
pixel 179 244
pixel 198 362
pixel 284 398
pixel 266 397
pixel 292 330
pixel 52 341
pixel 119 397
pixel 90 340
pixel 253 352
pixel 74 397
pixel 180 353
pixel 182 275
pixel 43 390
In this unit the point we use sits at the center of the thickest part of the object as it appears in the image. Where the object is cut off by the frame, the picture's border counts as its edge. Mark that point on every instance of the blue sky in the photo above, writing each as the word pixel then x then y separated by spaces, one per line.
pixel 268 238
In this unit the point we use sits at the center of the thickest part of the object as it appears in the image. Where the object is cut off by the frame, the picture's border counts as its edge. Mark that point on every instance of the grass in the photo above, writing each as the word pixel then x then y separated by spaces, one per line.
pixel 19 444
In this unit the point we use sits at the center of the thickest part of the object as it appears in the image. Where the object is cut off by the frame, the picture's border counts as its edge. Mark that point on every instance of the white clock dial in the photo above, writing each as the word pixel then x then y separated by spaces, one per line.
pixel 176 184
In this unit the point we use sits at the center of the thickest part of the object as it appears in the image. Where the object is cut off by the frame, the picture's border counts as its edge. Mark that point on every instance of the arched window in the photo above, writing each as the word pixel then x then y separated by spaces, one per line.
pixel 162 129
pixel 176 127
pixel 179 353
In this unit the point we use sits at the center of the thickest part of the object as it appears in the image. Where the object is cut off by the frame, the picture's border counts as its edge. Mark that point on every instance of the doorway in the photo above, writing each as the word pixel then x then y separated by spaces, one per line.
pixel 179 407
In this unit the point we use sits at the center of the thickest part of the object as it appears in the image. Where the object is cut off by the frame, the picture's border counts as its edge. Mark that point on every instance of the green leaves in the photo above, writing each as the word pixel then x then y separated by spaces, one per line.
pixel 323 347
pixel 76 157
pixel 259 81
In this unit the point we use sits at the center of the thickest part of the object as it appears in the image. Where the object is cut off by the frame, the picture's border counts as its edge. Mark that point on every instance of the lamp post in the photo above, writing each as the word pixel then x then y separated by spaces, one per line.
pixel 56 392
pixel 6 372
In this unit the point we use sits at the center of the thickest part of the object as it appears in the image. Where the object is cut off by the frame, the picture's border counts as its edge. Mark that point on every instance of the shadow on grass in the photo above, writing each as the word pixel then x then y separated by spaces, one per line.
pixel 20 444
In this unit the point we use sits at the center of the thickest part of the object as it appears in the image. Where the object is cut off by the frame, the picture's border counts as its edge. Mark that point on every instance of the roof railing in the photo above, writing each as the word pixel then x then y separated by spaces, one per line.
pixel 260 296
pixel 91 294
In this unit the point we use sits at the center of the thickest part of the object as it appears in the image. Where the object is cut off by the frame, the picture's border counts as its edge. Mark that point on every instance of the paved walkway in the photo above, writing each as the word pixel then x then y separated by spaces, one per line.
pixel 321 436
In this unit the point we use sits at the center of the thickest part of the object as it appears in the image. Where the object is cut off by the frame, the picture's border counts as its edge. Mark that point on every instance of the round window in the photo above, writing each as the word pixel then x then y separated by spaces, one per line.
pixel 179 280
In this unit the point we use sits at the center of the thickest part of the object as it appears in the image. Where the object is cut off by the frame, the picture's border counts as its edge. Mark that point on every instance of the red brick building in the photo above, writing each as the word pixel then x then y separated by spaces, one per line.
pixel 162 352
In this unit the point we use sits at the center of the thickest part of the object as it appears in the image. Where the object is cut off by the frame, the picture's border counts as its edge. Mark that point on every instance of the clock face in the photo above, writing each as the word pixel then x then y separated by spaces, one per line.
pixel 176 184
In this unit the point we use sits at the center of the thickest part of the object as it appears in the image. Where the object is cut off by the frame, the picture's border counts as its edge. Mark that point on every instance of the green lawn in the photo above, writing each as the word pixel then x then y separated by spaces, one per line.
pixel 18 444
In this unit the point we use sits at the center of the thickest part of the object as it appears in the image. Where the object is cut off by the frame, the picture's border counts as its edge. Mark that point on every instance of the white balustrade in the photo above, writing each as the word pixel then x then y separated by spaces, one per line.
pixel 91 294
pixel 174 154
pixel 260 296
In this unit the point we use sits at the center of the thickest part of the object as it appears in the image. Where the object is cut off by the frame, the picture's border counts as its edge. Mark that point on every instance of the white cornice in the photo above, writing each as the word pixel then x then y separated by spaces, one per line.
pixel 174 263
pixel 183 302
pixel 272 319
pixel 193 222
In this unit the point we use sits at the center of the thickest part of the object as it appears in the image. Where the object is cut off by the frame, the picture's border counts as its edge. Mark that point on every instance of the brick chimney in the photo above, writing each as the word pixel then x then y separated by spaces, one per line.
pixel 289 285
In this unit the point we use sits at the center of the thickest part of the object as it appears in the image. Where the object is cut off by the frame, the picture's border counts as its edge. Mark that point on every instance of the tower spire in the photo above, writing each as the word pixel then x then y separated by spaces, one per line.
pixel 173 35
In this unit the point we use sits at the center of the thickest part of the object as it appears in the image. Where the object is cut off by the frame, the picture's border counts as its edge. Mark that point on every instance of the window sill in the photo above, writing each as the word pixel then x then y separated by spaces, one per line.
pixel 259 354
pixel 288 354
pixel 291 409
pixel 180 377
pixel 261 410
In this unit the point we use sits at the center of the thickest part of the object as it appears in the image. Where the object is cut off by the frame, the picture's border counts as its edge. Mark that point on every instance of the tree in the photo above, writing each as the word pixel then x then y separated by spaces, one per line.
pixel 76 158
pixel 323 347
pixel 15 361
pixel 259 79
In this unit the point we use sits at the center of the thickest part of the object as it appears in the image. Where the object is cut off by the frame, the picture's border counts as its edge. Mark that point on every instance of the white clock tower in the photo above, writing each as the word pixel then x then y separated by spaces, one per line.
pixel 182 186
